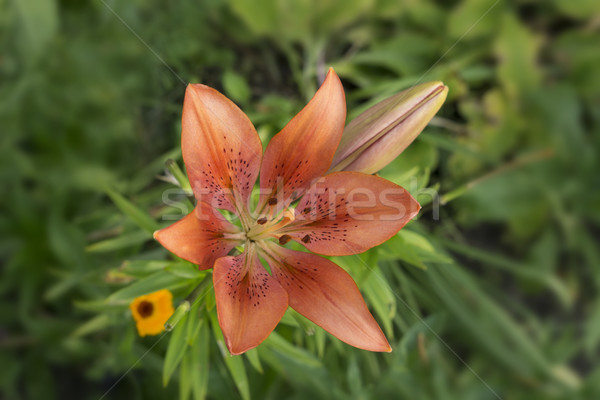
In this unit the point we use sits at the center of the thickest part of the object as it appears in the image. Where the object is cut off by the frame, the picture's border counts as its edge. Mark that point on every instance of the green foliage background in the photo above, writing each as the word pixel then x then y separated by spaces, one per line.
pixel 496 298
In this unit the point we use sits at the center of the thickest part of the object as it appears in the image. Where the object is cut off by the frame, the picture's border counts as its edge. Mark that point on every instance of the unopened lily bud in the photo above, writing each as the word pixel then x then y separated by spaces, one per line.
pixel 378 135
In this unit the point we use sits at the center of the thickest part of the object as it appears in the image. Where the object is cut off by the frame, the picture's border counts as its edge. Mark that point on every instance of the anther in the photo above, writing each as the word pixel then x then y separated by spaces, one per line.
pixel 306 239
pixel 261 221
pixel 284 239
pixel 272 201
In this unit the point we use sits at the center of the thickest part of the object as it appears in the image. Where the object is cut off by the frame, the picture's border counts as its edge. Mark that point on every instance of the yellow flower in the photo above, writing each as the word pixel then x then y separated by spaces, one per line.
pixel 151 311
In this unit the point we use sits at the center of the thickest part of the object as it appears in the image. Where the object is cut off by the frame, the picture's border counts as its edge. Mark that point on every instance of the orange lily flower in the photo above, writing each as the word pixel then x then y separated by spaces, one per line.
pixel 342 213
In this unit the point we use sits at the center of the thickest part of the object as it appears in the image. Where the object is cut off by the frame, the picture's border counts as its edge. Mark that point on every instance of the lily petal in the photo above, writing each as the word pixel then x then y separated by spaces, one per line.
pixel 348 213
pixel 250 302
pixel 325 293
pixel 303 150
pixel 221 149
pixel 199 236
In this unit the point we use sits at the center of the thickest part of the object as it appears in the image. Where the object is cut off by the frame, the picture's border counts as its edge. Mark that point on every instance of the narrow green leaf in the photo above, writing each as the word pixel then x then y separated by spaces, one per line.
pixel 282 346
pixel 425 251
pixel 522 270
pixel 252 356
pixel 502 327
pixel 95 324
pixel 320 338
pixel 397 249
pixel 185 270
pixel 307 326
pixel 235 364
pixel 185 377
pixel 175 350
pixel 193 370
pixel 179 176
pixel 139 217
pixel 194 322
pixel 142 268
pixel 119 243
pixel 100 306
pixel 210 300
pixel 353 376
pixel 289 319
pixel 158 280
pixel 199 365
pixel 381 298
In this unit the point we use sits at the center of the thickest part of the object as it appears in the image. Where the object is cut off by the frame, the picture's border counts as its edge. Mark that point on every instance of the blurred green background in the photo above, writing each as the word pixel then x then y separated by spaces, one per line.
pixel 493 294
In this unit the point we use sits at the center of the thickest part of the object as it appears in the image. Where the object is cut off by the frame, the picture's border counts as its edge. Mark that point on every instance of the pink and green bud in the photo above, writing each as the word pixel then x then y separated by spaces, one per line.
pixel 378 135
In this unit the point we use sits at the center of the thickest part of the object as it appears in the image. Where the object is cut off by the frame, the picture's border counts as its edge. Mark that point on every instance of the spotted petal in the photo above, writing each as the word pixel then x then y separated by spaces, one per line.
pixel 199 236
pixel 303 150
pixel 327 295
pixel 250 302
pixel 221 149
pixel 347 213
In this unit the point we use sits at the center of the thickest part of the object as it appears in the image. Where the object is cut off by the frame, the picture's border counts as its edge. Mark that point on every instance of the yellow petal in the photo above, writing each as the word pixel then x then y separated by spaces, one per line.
pixel 151 311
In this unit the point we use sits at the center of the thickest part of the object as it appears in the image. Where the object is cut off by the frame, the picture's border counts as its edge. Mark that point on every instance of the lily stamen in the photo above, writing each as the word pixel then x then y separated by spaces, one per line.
pixel 234 236
pixel 269 228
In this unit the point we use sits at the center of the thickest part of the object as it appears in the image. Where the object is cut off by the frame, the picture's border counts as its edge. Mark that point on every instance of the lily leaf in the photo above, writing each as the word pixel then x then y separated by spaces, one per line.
pixel 154 282
pixel 234 364
pixel 138 216
pixel 176 349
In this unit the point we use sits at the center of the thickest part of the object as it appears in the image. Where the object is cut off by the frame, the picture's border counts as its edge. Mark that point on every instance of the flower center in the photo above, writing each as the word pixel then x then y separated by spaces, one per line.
pixel 145 309
pixel 265 228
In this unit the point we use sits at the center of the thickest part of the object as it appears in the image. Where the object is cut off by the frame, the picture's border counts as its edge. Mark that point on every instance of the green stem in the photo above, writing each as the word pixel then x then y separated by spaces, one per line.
pixel 519 162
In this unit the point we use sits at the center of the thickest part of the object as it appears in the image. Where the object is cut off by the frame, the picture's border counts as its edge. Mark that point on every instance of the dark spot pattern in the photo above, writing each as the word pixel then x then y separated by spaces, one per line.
pixel 212 237
pixel 248 286
pixel 293 179
pixel 232 171
pixel 325 211
pixel 297 274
